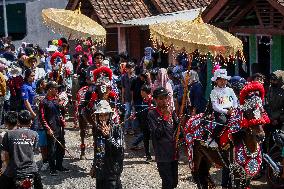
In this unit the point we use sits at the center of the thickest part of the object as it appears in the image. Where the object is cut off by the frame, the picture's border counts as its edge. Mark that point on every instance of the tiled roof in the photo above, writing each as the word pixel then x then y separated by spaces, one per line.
pixel 165 6
pixel 116 11
pixel 110 12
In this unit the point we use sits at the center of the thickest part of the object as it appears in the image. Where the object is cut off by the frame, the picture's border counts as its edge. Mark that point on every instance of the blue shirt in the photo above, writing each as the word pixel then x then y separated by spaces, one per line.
pixel 28 93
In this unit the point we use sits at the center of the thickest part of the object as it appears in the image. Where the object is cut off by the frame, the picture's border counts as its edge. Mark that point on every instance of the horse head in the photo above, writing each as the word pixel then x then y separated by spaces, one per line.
pixel 253 114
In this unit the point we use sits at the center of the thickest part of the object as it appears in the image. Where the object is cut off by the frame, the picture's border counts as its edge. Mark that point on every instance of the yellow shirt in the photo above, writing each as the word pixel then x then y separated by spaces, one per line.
pixel 2 85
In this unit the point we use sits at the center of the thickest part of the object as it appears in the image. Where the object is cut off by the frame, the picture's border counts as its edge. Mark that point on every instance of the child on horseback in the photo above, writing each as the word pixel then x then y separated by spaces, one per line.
pixel 223 101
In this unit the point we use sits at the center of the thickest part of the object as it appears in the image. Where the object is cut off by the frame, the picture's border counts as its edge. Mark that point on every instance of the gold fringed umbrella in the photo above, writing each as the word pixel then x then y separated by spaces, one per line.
pixel 192 35
pixel 73 24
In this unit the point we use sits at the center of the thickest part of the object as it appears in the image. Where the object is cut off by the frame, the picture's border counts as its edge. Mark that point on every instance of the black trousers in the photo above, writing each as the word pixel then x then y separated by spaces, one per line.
pixel 168 172
pixel 55 153
pixel 146 134
pixel 9 182
pixel 108 183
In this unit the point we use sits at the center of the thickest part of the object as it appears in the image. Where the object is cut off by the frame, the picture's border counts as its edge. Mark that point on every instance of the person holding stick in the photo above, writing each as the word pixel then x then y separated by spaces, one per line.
pixel 52 120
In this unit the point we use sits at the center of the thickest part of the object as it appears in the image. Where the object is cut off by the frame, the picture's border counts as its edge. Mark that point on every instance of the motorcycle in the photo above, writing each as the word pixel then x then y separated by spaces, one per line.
pixel 25 183
pixel 273 159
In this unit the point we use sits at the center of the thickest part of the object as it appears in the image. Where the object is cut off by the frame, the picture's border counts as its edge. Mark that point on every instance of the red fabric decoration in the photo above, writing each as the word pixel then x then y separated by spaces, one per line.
pixel 94 97
pixel 68 72
pixel 78 48
pixel 60 43
pixel 100 70
pixel 250 87
pixel 58 55
pixel 50 75
pixel 245 123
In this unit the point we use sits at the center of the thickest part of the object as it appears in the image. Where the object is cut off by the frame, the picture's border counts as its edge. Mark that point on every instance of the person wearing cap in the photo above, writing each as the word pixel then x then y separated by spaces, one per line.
pixel 52 121
pixel 109 153
pixel 163 122
pixel 224 101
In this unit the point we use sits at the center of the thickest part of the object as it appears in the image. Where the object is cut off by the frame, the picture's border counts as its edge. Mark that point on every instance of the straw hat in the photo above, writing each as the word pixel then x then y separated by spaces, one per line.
pixel 102 107
pixel 14 71
pixel 31 57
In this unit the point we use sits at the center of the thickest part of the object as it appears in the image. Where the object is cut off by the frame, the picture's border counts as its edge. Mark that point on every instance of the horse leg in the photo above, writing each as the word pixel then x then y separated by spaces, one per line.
pixel 82 126
pixel 197 158
pixel 204 176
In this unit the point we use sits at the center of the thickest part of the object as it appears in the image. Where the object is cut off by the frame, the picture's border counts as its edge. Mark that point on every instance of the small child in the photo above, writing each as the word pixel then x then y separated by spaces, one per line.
pixel 223 101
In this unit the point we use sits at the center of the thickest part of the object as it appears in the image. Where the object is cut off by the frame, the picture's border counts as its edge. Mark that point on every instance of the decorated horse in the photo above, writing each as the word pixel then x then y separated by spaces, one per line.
pixel 239 142
pixel 102 90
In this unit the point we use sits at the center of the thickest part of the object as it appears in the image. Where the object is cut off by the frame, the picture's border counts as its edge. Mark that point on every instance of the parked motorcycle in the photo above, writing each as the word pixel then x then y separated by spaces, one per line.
pixel 273 158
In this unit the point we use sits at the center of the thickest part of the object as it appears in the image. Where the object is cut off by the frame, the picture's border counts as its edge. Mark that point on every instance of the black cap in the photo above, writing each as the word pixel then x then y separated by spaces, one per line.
pixel 51 84
pixel 99 53
pixel 160 91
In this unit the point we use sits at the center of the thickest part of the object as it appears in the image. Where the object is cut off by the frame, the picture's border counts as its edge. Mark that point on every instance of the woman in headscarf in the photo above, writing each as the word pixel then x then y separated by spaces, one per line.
pixel 164 81
pixel 196 94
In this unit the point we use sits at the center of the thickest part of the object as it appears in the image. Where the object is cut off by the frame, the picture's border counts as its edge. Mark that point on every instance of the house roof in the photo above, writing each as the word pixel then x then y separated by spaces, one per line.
pixel 165 17
pixel 165 6
pixel 247 16
pixel 112 12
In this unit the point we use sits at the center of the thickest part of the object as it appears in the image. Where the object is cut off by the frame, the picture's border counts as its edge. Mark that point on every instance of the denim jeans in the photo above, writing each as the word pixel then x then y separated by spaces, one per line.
pixel 128 123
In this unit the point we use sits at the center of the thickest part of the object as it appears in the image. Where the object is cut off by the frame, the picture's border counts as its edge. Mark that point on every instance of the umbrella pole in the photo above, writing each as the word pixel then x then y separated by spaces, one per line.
pixel 69 36
pixel 181 111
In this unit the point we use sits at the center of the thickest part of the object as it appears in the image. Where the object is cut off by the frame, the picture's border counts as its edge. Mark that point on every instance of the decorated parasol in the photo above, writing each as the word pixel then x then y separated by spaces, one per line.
pixel 73 24
pixel 192 35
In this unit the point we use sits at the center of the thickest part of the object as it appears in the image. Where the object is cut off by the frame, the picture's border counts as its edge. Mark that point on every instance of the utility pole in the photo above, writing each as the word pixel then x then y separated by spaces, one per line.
pixel 5 18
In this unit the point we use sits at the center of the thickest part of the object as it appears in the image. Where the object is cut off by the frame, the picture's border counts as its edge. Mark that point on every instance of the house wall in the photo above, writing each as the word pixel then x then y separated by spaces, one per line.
pixel 277 53
pixel 37 32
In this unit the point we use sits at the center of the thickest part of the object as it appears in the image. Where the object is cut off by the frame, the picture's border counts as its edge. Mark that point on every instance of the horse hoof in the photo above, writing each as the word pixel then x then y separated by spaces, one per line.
pixel 83 157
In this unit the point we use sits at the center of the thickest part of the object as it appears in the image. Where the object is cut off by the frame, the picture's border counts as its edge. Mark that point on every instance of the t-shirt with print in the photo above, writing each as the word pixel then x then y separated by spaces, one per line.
pixel 20 144
pixel 222 99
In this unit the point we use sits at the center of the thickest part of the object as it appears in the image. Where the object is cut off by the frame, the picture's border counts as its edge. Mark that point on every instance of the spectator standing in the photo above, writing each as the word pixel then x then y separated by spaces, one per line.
pixel 17 153
pixel 28 91
pixel 126 97
pixel 162 123
pixel 196 94
pixel 14 83
pixel 2 92
pixel 52 121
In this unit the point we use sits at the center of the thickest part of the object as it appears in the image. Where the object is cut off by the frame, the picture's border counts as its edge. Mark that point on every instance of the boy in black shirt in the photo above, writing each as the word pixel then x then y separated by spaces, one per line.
pixel 17 153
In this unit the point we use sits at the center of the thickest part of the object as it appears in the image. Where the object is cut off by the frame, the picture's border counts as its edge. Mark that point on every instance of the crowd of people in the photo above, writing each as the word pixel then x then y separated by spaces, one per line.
pixel 149 100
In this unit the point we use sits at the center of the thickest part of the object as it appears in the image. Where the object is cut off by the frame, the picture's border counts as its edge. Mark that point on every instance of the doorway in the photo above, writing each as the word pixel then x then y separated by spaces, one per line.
pixel 264 55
